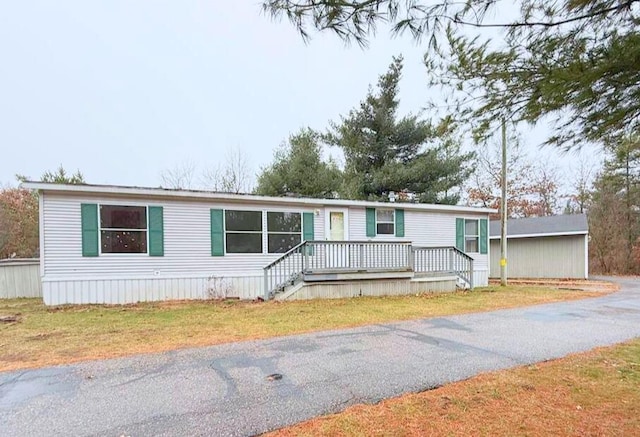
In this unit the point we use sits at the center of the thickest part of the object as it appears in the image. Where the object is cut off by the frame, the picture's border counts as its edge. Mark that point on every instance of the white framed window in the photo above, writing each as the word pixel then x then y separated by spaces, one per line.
pixel 243 231
pixel 385 222
pixel 471 236
pixel 123 229
pixel 284 231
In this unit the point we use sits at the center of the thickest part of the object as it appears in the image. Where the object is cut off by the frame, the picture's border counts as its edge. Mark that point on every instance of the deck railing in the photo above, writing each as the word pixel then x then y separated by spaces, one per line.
pixel 335 256
pixel 357 256
pixel 443 260
pixel 362 256
pixel 285 271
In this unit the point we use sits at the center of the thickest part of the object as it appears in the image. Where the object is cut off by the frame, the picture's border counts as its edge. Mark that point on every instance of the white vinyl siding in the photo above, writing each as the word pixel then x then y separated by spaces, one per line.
pixel 187 231
pixel 542 257
pixel 422 228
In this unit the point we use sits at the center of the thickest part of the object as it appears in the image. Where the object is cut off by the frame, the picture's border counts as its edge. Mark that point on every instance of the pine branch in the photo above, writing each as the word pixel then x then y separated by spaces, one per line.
pixel 548 24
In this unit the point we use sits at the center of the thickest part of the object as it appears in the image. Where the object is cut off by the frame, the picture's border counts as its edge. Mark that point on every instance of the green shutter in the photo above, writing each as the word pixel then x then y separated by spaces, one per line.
pixel 399 222
pixel 307 230
pixel 307 226
pixel 483 236
pixel 156 231
pixel 371 222
pixel 89 219
pixel 460 234
pixel 217 232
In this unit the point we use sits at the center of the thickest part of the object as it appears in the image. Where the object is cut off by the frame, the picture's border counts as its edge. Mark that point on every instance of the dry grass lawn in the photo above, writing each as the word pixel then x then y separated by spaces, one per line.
pixel 57 335
pixel 591 394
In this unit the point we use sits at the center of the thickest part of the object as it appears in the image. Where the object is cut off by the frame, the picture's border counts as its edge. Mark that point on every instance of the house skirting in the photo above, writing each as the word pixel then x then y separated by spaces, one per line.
pixel 125 290
pixel 480 277
pixel 82 290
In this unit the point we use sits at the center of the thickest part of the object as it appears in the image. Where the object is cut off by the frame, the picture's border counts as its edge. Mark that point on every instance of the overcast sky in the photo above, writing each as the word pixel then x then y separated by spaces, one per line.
pixel 122 89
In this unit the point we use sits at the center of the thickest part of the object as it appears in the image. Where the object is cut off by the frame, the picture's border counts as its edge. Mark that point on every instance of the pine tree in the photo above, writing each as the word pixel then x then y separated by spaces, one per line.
pixel 384 153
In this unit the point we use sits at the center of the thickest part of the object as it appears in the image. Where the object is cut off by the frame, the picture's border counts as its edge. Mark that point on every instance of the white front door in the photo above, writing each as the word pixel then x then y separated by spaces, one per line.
pixel 336 229
pixel 337 224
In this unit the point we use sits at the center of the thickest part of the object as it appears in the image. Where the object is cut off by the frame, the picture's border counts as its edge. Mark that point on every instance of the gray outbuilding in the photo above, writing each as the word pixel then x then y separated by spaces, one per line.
pixel 542 247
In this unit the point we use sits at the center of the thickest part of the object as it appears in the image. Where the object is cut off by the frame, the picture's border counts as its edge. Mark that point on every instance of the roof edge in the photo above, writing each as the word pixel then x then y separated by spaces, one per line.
pixel 541 234
pixel 200 194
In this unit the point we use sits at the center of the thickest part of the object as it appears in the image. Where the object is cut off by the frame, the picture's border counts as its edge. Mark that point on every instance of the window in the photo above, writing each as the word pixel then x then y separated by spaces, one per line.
pixel 385 223
pixel 243 231
pixel 471 236
pixel 123 229
pixel 284 231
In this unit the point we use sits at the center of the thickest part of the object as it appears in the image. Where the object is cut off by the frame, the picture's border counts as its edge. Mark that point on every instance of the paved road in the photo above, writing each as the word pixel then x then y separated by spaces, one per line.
pixel 223 390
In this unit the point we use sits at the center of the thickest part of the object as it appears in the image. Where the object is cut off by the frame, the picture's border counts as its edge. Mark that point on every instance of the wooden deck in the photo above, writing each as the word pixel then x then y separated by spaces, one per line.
pixel 313 262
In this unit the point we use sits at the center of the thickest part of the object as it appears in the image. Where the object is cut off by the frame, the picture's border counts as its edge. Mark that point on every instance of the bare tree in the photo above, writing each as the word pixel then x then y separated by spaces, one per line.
pixel 581 186
pixel 546 182
pixel 532 189
pixel 232 175
pixel 179 177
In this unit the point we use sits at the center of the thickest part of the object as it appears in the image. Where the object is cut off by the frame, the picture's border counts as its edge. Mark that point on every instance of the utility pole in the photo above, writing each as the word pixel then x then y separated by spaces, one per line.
pixel 503 210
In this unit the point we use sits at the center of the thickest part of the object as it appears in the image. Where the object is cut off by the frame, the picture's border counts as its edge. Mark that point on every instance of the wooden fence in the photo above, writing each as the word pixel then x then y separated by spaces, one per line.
pixel 20 278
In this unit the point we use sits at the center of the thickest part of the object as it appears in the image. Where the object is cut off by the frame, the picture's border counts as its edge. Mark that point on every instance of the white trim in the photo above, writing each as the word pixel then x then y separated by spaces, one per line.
pixel 266 238
pixel 548 234
pixel 393 220
pixel 327 221
pixel 41 232
pixel 476 236
pixel 586 256
pixel 263 223
pixel 100 229
pixel 193 194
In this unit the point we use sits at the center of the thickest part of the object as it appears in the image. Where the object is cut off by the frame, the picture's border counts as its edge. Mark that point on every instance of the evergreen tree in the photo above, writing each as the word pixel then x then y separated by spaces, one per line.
pixel 384 154
pixel 614 221
pixel 298 170
pixel 59 176
pixel 622 176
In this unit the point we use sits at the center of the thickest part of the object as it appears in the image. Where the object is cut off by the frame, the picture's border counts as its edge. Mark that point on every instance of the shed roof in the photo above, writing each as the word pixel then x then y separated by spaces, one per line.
pixel 155 193
pixel 566 224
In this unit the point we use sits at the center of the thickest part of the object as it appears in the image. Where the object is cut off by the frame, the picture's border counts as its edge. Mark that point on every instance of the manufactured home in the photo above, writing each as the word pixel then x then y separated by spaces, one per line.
pixel 116 244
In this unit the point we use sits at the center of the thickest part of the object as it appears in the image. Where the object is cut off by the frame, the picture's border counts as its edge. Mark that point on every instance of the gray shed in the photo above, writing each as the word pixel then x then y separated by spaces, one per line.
pixel 542 247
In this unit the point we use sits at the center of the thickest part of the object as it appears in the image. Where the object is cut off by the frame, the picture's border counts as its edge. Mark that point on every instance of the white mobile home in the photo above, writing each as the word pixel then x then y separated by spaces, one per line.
pixel 113 244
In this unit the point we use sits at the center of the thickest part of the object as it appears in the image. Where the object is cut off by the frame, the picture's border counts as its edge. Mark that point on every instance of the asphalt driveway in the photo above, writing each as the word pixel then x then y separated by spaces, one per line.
pixel 224 390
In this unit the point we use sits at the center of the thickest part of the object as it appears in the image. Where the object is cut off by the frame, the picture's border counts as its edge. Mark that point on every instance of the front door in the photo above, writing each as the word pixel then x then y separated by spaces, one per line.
pixel 337 229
